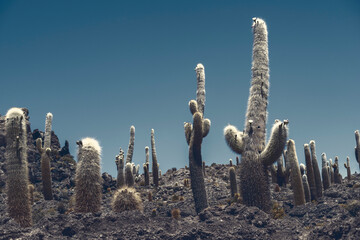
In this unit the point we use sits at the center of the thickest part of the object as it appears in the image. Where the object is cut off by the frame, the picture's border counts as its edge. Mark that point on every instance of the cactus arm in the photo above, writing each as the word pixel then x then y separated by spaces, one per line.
pixel 206 127
pixel 200 92
pixel 276 144
pixel 193 107
pixel 39 145
pixel 188 130
pixel 48 126
pixel 234 139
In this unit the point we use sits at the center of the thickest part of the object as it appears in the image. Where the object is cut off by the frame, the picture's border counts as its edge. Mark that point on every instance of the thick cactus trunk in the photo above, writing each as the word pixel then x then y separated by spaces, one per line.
pixel 119 160
pixel 256 158
pixel 357 147
pixel 17 183
pixel 88 177
pixel 325 172
pixel 296 179
pixel 155 165
pixel 310 172
pixel 347 166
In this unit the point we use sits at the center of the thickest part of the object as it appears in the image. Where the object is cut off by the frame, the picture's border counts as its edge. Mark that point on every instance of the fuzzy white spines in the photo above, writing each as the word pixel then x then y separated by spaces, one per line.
pixel 234 139
pixel 276 144
pixel 323 160
pixel 88 176
pixel 91 143
pixel 130 151
pixel 48 126
pixel 200 92
pixel 17 167
pixel 14 113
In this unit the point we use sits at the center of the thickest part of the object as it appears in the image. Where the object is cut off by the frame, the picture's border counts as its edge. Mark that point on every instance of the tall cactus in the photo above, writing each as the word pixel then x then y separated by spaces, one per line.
pixel 194 134
pixel 325 172
pixel 119 161
pixel 316 170
pixel 88 181
pixel 281 176
pixel 250 143
pixel 129 177
pixel 296 180
pixel 130 150
pixel 357 147
pixel 347 166
pixel 146 167
pixel 310 172
pixel 332 178
pixel 46 158
pixel 155 165
pixel 17 183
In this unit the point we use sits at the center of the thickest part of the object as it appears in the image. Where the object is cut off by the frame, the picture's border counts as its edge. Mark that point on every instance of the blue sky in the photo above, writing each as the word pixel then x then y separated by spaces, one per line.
pixel 102 66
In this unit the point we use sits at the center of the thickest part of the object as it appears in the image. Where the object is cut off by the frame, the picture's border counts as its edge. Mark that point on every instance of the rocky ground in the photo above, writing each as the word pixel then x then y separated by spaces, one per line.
pixel 335 216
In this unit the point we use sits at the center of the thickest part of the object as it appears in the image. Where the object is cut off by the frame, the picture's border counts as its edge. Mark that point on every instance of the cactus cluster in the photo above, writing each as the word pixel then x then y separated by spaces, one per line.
pixel 250 143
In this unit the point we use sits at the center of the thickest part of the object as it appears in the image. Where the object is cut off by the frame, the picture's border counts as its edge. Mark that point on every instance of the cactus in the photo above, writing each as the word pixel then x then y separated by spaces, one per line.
pixel 230 162
pixel 273 173
pixel 325 172
pixel 357 147
pixel 129 177
pixel 119 160
pixel 306 188
pixel 310 172
pixel 194 134
pixel 296 180
pixel 332 178
pixel 302 169
pixel 287 168
pixel 146 167
pixel 237 161
pixel 17 183
pixel 316 170
pixel 46 158
pixel 126 199
pixel 347 166
pixel 337 177
pixel 88 181
pixel 250 143
pixel 155 165
pixel 281 180
pixel 233 185
pixel 130 150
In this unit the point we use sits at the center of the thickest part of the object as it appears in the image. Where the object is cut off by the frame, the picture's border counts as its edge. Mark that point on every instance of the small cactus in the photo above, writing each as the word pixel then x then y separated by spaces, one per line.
pixel 155 165
pixel 281 175
pixel 332 175
pixel 88 181
pixel 296 180
pixel 357 147
pixel 337 176
pixel 310 172
pixel 316 170
pixel 46 158
pixel 129 177
pixel 233 185
pixel 126 199
pixel 237 161
pixel 119 160
pixel 347 166
pixel 325 172
pixel 17 183
pixel 306 188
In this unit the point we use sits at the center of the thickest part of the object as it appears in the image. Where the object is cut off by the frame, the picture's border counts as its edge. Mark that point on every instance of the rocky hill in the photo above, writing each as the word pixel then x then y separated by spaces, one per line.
pixel 169 211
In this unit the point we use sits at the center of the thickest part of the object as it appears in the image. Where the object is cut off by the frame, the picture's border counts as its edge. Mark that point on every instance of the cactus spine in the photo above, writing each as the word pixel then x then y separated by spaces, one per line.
pixel 46 158
pixel 250 143
pixel 347 166
pixel 325 172
pixel 357 147
pixel 194 134
pixel 88 181
pixel 310 172
pixel 296 180
pixel 233 185
pixel 316 170
pixel 155 165
pixel 17 183
pixel 119 160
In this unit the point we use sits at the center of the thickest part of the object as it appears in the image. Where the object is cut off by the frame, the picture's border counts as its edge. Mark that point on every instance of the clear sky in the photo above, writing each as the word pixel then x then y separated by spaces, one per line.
pixel 102 66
